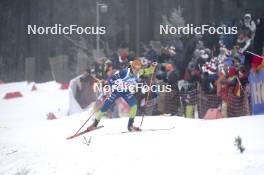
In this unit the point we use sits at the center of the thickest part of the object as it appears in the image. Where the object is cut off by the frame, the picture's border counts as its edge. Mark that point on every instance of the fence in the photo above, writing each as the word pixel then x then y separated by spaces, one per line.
pixel 191 103
pixel 187 103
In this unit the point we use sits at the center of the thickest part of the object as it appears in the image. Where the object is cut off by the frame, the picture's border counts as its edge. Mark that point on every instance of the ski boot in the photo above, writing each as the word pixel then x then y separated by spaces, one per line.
pixel 130 126
pixel 93 126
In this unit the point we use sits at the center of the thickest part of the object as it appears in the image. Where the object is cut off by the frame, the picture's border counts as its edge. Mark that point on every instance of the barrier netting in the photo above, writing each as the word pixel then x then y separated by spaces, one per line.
pixel 207 101
pixel 237 106
pixel 192 103
pixel 172 102
pixel 195 101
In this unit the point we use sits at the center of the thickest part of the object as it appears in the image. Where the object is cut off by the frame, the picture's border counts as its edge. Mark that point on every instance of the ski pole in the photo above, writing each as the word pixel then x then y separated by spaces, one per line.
pixel 255 54
pixel 146 102
pixel 94 111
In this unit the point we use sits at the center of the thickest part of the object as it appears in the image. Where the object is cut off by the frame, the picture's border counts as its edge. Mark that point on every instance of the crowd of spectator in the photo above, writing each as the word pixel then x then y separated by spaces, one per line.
pixel 203 71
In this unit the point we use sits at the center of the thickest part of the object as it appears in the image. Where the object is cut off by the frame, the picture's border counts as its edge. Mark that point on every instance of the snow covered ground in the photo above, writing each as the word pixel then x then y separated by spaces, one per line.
pixel 31 144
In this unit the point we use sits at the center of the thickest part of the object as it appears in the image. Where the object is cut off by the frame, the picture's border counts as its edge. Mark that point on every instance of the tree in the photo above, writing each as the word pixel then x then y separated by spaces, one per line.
pixel 175 19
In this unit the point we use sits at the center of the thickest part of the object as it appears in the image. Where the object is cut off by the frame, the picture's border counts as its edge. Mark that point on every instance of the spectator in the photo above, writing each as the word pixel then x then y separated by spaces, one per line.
pixel 172 98
pixel 151 54
pixel 244 44
pixel 192 74
pixel 248 25
pixel 120 60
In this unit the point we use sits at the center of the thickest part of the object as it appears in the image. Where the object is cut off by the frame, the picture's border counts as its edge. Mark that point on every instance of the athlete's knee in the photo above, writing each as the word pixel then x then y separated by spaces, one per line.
pixel 99 115
pixel 132 101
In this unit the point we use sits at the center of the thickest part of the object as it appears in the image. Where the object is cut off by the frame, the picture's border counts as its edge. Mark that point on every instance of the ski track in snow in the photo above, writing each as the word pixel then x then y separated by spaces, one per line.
pixel 30 144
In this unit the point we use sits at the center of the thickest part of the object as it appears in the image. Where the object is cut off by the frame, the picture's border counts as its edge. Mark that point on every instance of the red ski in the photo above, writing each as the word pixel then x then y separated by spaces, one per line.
pixel 83 132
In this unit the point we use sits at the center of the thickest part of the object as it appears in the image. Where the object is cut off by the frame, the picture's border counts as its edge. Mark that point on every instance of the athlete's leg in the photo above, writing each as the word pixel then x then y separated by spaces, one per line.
pixel 107 104
pixel 131 101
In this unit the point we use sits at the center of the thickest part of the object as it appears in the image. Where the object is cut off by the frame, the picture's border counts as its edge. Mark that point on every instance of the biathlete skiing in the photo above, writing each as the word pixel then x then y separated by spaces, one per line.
pixel 125 79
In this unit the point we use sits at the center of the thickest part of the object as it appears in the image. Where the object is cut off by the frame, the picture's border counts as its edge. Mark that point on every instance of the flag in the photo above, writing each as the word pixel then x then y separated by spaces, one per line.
pixel 256 81
pixel 257 62
pixel 261 66
pixel 237 90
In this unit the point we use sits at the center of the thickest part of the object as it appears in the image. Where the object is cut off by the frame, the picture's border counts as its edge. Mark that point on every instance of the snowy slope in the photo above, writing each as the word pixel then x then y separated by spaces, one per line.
pixel 30 144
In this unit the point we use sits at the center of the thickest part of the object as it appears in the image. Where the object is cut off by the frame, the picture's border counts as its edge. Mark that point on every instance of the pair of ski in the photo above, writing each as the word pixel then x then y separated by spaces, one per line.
pixel 123 132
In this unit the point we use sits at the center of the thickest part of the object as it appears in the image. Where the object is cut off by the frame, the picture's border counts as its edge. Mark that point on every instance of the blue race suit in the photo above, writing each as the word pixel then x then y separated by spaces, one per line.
pixel 124 78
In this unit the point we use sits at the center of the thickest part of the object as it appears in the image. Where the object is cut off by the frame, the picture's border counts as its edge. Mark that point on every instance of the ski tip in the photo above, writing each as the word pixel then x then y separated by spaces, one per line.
pixel 68 138
pixel 83 132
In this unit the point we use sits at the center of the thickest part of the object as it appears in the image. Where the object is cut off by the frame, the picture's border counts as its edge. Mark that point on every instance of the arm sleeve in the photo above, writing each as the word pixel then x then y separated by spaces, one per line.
pixel 252 26
pixel 246 46
pixel 121 74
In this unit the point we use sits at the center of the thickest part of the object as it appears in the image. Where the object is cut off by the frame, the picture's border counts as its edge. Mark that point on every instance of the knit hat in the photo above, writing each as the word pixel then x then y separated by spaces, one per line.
pixel 124 55
pixel 212 69
pixel 172 50
pixel 247 15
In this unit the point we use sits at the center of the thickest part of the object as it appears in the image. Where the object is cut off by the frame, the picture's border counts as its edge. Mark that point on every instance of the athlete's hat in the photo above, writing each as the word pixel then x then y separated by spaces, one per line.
pixel 136 64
